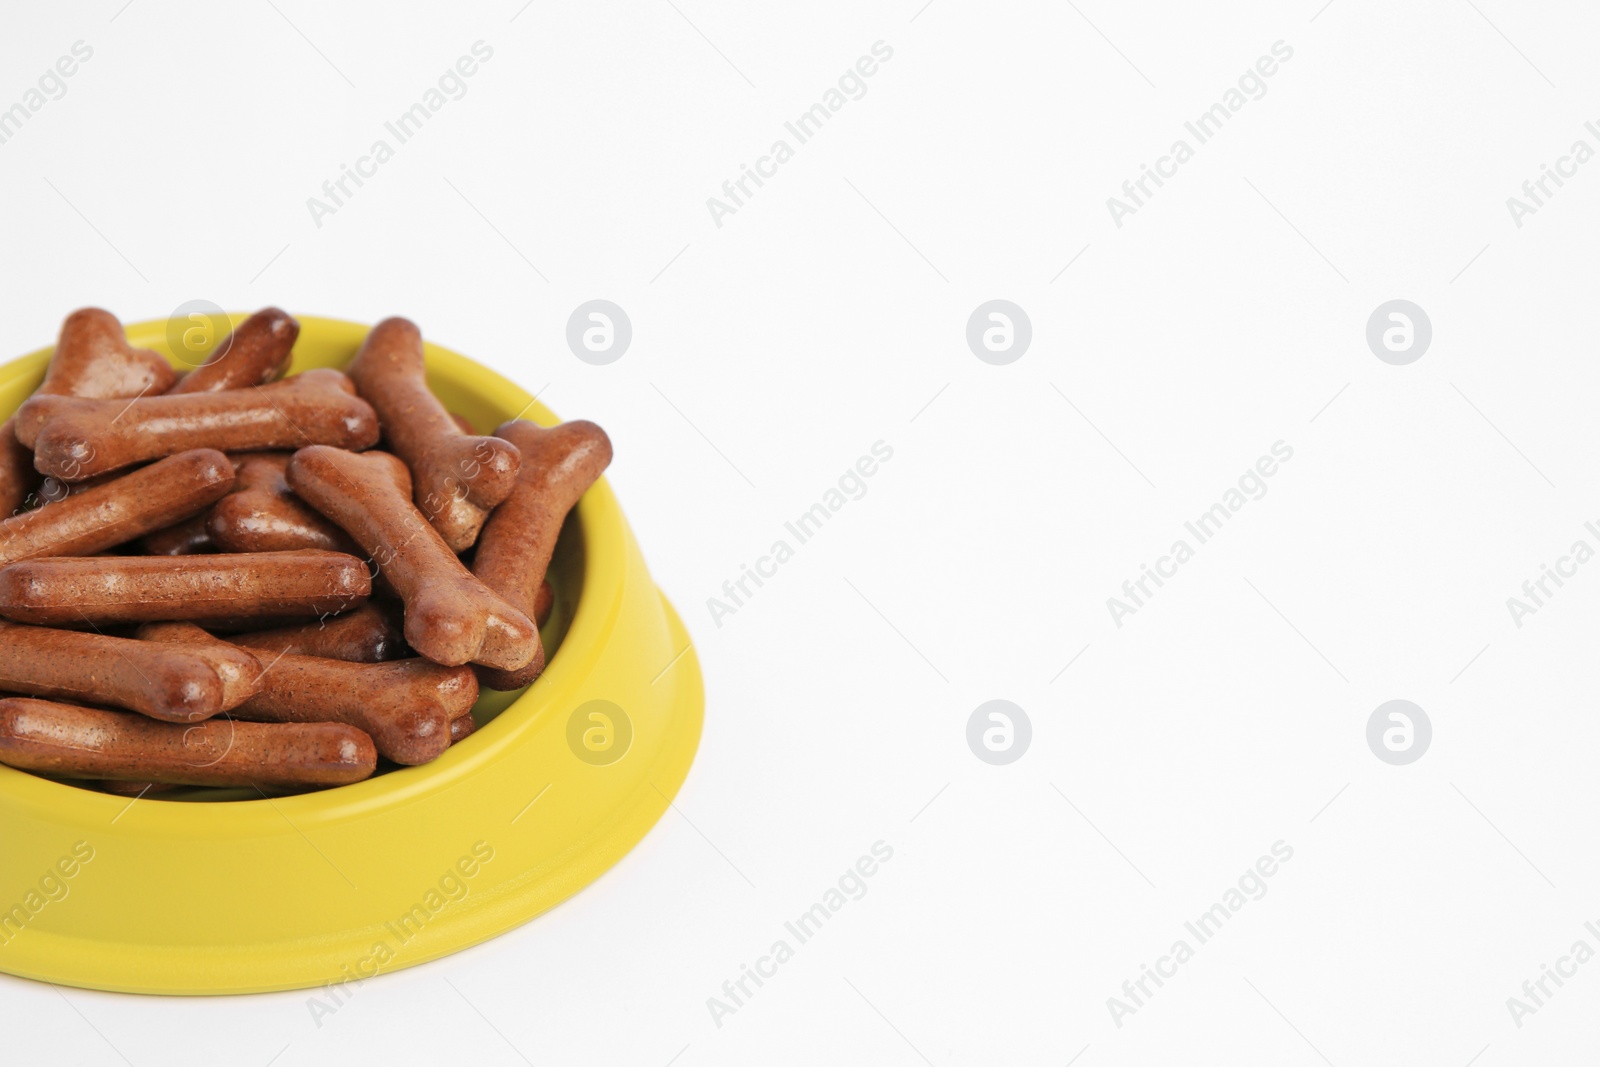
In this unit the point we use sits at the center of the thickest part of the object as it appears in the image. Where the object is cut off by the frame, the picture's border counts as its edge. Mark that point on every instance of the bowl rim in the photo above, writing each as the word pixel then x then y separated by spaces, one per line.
pixel 603 532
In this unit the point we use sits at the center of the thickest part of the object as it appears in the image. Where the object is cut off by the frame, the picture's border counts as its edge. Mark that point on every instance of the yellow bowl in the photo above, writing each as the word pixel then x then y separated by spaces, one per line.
pixel 559 781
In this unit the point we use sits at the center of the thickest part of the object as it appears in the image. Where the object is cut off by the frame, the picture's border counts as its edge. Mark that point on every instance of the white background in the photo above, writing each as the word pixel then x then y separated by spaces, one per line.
pixel 829 313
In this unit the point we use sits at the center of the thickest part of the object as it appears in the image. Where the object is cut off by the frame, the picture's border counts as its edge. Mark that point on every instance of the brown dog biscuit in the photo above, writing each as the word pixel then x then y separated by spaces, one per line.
pixel 462 727
pixel 514 550
pixel 456 477
pixel 406 706
pixel 75 742
pixel 450 617
pixel 369 634
pixel 262 514
pixel 66 590
pixel 173 684
pixel 92 359
pixel 74 439
pixel 54 490
pixel 239 668
pixel 180 539
pixel 121 509
pixel 255 353
pixel 544 602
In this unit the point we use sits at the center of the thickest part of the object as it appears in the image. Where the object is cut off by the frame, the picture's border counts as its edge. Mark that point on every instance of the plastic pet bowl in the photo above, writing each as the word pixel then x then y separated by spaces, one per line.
pixel 248 895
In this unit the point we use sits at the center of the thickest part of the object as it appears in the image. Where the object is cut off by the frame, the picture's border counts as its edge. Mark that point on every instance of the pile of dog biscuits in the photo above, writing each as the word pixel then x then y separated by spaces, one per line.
pixel 232 578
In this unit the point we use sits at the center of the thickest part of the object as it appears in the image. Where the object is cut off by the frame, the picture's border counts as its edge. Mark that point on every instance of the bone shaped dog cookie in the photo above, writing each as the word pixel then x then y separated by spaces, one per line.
pixel 92 359
pixel 450 616
pixel 75 742
pixel 262 514
pixel 74 439
pixel 456 477
pixel 119 509
pixel 68 590
pixel 558 466
pixel 406 705
pixel 170 683
pixel 254 353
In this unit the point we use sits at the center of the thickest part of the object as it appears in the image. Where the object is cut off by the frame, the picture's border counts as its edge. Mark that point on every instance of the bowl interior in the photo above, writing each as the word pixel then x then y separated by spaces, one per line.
pixel 466 388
